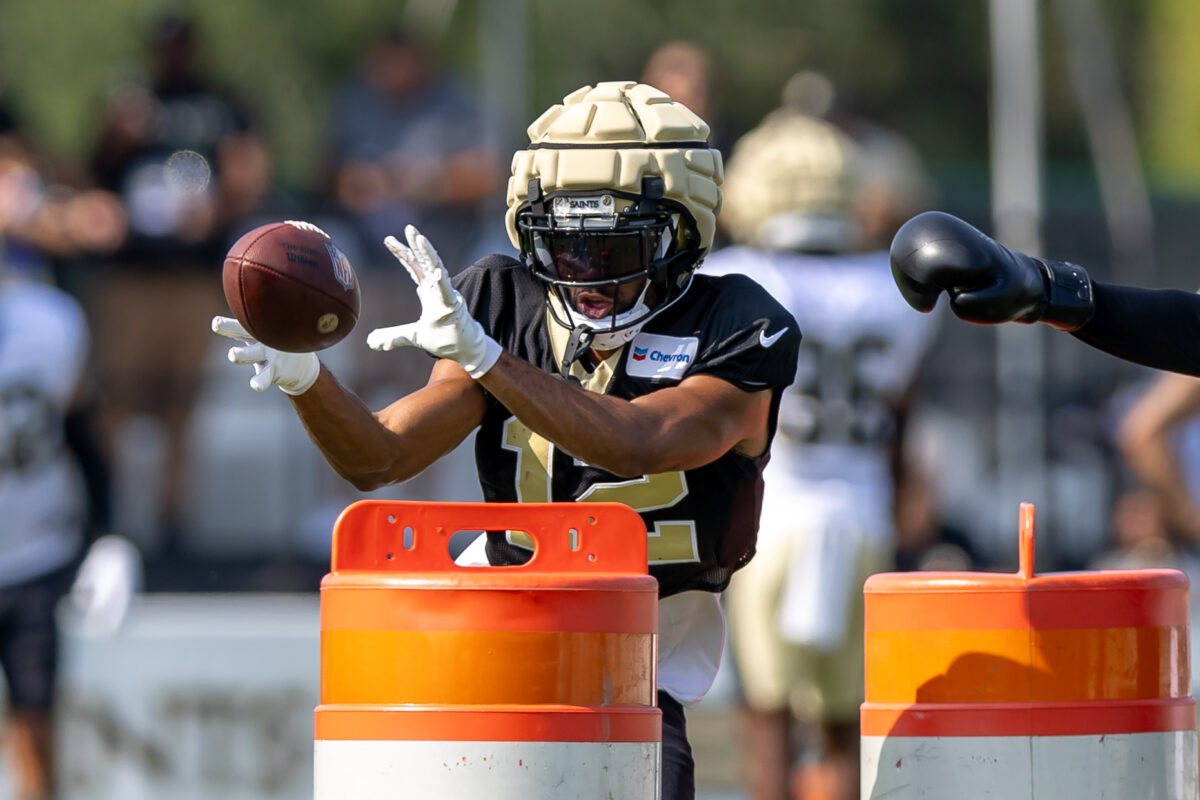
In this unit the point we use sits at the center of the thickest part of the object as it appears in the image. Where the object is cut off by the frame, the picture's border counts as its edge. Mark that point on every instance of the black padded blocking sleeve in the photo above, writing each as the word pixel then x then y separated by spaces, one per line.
pixel 1157 328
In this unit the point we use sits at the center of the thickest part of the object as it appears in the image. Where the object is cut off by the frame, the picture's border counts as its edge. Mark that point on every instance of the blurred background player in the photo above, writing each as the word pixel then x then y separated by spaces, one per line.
pixel 53 481
pixel 893 183
pixel 793 188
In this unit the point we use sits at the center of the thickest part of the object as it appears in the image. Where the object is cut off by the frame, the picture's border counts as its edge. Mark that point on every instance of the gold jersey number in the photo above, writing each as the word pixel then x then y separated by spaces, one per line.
pixel 669 542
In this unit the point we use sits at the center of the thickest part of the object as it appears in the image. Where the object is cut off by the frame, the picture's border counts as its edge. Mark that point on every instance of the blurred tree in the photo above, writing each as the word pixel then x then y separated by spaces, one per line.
pixel 1170 86
pixel 920 66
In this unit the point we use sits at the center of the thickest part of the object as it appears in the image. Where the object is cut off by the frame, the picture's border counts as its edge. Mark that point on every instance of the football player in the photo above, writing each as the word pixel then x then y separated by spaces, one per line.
pixel 53 486
pixel 43 351
pixel 792 190
pixel 989 283
pixel 596 366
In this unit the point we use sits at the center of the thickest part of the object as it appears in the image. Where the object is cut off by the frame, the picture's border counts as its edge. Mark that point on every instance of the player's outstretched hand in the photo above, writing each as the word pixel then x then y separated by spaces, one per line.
pixel 445 329
pixel 294 373
pixel 986 282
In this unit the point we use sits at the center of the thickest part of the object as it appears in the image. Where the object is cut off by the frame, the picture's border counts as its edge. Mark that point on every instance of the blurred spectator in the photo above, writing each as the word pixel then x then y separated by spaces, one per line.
pixel 182 153
pixel 1151 438
pixel 53 482
pixel 184 157
pixel 1138 534
pixel 923 540
pixel 683 70
pixel 40 221
pixel 405 148
pixel 792 201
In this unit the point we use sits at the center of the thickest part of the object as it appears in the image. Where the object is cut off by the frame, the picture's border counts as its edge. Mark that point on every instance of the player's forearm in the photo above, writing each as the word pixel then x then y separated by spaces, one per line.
pixel 606 432
pixel 348 435
pixel 589 426
pixel 371 450
pixel 1157 328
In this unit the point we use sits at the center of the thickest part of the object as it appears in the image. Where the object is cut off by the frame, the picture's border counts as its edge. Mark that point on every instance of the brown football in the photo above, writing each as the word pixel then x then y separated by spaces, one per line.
pixel 290 287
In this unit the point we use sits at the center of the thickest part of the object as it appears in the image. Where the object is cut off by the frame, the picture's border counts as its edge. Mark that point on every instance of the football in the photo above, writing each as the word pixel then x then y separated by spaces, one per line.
pixel 291 287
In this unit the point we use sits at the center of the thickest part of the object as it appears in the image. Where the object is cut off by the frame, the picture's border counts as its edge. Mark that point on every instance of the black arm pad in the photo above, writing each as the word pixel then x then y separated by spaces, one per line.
pixel 1069 299
pixel 1158 328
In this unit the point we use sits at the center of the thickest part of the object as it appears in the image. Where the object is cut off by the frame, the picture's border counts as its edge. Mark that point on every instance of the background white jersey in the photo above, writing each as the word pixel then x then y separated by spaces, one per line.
pixel 43 349
pixel 862 347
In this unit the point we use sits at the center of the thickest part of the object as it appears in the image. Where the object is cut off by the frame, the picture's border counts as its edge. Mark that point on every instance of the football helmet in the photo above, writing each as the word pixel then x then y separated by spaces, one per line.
pixel 613 206
pixel 792 184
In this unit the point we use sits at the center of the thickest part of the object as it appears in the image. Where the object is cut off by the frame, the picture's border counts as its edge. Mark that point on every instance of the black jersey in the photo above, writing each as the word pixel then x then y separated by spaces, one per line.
pixel 702 523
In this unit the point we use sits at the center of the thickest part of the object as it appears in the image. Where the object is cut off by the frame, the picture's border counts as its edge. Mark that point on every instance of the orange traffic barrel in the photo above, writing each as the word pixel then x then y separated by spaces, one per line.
pixel 1060 686
pixel 444 681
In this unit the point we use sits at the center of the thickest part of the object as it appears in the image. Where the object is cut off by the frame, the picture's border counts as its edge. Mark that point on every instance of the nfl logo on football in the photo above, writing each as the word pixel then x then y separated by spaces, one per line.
pixel 341 267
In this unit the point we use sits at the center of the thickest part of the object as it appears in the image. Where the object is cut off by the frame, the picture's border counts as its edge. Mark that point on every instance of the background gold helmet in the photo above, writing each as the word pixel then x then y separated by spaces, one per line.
pixel 618 185
pixel 792 184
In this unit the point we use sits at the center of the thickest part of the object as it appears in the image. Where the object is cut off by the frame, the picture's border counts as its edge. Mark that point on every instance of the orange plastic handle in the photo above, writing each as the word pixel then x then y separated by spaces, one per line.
pixel 1026 547
pixel 370 535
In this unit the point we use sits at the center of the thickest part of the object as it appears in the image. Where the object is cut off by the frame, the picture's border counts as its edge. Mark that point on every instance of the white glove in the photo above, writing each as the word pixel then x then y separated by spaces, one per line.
pixel 111 574
pixel 446 329
pixel 294 373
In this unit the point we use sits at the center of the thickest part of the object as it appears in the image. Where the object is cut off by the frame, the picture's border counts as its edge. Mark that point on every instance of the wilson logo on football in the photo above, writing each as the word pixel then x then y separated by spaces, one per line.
pixel 341 267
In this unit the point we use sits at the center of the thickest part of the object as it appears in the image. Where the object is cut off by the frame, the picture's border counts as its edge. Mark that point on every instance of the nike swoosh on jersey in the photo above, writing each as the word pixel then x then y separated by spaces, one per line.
pixel 767 341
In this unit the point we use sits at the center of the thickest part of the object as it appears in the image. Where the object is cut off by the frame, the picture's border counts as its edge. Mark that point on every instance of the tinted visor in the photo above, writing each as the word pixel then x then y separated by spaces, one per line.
pixel 596 256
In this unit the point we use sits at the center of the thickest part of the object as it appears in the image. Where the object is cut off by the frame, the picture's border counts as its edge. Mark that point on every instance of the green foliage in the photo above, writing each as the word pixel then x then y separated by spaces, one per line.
pixel 58 57
pixel 920 66
pixel 282 56
pixel 1170 92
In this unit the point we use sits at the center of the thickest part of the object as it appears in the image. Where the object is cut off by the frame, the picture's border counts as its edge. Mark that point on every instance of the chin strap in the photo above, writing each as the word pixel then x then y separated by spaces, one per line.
pixel 577 345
